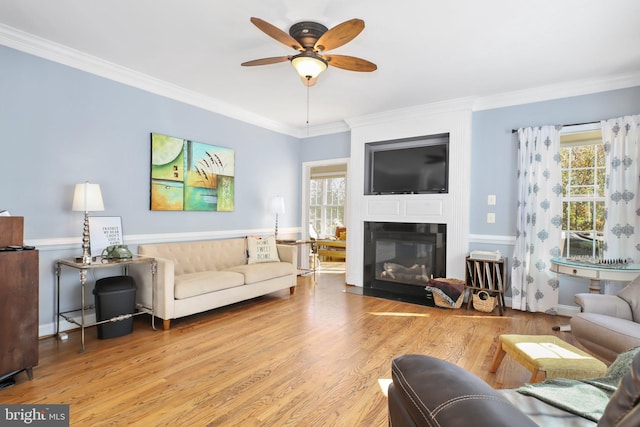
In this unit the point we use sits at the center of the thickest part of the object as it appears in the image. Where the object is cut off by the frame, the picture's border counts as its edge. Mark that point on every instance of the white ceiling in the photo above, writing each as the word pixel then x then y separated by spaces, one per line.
pixel 427 51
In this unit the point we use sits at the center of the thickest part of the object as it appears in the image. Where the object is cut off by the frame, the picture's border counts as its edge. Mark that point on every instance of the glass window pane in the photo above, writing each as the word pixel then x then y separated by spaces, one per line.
pixel 565 181
pixel 564 157
pixel 580 216
pixel 581 190
pixel 582 177
pixel 601 177
pixel 326 207
pixel 599 148
pixel 582 156
pixel 600 216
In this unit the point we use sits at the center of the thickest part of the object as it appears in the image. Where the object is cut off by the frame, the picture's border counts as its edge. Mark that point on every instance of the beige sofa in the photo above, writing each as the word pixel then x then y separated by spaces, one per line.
pixel 193 277
pixel 608 324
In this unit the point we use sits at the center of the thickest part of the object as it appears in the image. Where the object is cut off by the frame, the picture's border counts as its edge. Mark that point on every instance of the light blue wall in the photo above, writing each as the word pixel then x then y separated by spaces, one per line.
pixel 61 126
pixel 326 147
pixel 494 148
pixel 493 161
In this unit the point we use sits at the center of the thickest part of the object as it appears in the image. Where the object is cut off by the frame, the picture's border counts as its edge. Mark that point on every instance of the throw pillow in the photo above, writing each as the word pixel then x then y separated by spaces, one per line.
pixel 262 249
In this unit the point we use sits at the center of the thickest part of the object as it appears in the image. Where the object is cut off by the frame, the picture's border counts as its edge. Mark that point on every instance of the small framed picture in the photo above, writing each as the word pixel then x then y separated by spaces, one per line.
pixel 104 231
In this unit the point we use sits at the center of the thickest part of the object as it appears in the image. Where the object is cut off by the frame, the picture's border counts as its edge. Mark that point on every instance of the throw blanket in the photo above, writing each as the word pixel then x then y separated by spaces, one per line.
pixel 449 289
pixel 586 398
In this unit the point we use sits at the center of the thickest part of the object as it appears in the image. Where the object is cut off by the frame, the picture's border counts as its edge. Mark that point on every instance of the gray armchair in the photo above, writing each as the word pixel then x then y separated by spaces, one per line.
pixel 608 324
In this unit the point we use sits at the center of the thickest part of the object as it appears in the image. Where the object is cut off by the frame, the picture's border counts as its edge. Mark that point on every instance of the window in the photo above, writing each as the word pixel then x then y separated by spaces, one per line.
pixel 326 205
pixel 583 180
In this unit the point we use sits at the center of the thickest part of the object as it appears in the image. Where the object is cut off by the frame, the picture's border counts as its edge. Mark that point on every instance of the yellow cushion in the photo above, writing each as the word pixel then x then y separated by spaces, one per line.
pixel 551 355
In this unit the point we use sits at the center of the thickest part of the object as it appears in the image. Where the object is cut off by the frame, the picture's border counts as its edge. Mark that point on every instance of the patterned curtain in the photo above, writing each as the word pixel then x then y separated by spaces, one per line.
pixel 621 138
pixel 539 220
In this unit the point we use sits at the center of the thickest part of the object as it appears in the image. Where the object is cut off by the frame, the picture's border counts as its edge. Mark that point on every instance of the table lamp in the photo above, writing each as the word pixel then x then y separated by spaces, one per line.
pixel 277 207
pixel 87 197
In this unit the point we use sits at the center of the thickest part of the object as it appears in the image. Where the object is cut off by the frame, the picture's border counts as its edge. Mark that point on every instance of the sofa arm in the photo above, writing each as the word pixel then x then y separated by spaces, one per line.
pixel 431 392
pixel 164 292
pixel 609 305
pixel 289 253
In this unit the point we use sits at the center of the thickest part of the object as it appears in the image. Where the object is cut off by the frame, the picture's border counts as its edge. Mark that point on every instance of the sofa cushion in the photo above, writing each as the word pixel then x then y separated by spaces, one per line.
pixel 190 285
pixel 262 249
pixel 199 256
pixel 263 271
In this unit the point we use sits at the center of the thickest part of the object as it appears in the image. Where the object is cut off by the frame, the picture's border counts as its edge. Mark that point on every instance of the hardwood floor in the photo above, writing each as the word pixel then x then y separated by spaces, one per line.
pixel 319 357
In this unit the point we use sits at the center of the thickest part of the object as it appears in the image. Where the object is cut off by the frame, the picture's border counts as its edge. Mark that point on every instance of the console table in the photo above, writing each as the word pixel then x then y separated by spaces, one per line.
pixel 595 272
pixel 100 263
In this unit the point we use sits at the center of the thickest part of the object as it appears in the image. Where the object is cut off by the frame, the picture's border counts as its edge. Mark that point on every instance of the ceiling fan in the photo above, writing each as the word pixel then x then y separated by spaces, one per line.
pixel 312 40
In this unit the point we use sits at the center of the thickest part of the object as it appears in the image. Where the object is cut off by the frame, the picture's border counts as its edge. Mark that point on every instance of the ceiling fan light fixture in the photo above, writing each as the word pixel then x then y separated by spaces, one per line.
pixel 308 66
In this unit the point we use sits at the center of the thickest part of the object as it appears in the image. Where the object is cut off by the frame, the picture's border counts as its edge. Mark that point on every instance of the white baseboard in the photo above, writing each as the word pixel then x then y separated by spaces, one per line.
pixel 563 310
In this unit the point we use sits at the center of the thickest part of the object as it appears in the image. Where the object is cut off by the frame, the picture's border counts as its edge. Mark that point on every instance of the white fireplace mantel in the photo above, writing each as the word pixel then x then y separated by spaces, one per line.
pixel 451 208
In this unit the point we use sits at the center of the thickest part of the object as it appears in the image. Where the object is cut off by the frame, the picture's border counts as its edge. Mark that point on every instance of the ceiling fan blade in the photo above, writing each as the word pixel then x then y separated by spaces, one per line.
pixel 350 63
pixel 276 33
pixel 266 61
pixel 339 35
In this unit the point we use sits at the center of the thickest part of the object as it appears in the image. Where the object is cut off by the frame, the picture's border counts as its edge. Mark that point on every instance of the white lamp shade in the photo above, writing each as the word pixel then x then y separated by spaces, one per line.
pixel 277 205
pixel 308 67
pixel 87 198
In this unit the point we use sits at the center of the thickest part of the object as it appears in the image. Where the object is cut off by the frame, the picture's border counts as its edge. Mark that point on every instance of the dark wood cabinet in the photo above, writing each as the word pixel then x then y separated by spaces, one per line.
pixel 19 276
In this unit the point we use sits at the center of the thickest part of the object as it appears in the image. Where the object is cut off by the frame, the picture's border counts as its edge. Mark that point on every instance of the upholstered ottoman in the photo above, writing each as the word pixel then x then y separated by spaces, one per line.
pixel 548 355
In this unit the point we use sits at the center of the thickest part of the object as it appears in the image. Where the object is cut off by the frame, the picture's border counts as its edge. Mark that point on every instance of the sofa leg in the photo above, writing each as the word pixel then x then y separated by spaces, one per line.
pixel 166 324
pixel 292 290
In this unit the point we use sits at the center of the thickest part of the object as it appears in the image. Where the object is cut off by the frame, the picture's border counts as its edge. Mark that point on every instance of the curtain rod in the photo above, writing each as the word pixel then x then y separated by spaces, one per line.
pixel 572 124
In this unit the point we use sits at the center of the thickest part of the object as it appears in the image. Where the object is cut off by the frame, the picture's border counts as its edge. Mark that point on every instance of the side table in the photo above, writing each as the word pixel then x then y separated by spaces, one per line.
pixel 312 247
pixel 100 263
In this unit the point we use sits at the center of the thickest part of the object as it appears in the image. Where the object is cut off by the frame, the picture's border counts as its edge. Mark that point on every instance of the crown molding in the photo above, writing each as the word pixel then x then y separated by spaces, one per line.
pixel 324 129
pixel 34 45
pixel 409 113
pixel 37 46
pixel 556 91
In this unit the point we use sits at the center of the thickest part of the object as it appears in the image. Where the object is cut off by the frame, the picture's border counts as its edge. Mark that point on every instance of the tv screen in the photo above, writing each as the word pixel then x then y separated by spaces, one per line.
pixel 411 168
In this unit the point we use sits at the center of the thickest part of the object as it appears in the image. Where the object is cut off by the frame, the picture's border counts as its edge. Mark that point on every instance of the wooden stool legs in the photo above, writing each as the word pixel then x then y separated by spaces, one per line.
pixel 497 359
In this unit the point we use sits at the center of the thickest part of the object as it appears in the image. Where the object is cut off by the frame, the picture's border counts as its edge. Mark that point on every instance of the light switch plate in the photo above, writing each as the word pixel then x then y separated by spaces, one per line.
pixel 491 199
pixel 491 218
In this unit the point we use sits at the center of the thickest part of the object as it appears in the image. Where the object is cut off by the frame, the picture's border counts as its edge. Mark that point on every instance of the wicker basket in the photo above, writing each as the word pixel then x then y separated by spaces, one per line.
pixel 484 302
pixel 441 302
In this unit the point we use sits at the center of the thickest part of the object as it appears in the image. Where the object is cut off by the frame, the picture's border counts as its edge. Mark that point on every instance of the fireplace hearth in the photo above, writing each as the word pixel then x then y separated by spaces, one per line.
pixel 400 258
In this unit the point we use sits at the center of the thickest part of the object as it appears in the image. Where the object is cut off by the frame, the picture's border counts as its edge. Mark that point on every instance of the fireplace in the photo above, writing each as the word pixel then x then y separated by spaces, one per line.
pixel 399 259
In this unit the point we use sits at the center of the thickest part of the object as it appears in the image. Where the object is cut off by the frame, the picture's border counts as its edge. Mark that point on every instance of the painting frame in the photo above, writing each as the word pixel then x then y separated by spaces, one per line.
pixel 188 175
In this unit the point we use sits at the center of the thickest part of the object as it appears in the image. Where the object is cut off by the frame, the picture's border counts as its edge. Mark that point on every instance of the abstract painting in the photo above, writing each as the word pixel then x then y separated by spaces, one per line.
pixel 190 176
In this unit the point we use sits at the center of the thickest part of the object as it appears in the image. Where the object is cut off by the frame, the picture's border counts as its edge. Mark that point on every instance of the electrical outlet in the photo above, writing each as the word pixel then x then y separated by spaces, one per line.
pixel 491 218
pixel 491 199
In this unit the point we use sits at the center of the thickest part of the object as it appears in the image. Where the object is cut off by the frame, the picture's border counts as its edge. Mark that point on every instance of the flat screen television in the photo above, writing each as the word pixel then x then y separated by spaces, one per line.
pixel 409 166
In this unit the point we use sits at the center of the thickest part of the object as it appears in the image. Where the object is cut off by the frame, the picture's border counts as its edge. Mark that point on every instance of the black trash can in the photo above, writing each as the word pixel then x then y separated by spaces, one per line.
pixel 115 296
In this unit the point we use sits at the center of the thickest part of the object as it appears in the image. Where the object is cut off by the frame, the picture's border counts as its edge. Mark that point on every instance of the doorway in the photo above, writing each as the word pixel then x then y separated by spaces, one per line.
pixel 324 210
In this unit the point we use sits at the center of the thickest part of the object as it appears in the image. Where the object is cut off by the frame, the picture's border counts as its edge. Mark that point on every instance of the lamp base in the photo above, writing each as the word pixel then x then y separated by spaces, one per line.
pixel 85 260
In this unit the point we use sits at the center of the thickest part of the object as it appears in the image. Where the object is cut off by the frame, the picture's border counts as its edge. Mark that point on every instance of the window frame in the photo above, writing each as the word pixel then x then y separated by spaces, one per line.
pixel 579 136
pixel 327 220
